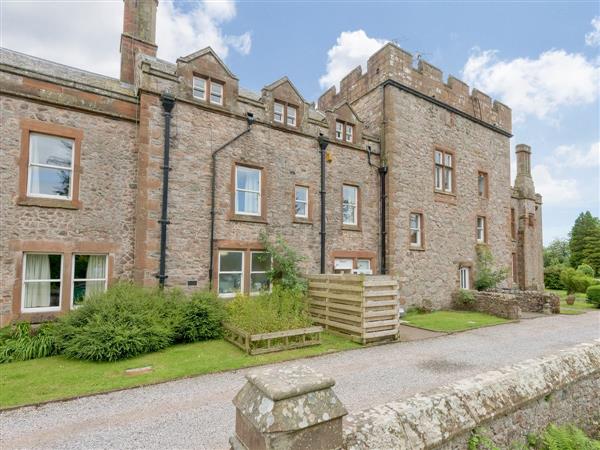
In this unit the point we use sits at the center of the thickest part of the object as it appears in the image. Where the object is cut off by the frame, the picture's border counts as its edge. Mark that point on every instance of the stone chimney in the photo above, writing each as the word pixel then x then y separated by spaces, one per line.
pixel 139 34
pixel 523 181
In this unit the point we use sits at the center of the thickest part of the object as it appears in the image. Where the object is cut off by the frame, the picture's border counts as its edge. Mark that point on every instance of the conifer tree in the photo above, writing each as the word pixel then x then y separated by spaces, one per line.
pixel 584 227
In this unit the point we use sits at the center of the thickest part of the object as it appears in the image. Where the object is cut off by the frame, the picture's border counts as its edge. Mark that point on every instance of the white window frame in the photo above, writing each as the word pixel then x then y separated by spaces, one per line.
pixel 73 279
pixel 349 136
pixel 355 218
pixel 342 264
pixel 281 114
pixel 222 86
pixel 418 229
pixel 481 229
pixel 444 171
pixel 70 169
pixel 237 211
pixel 465 277
pixel 194 81
pixel 339 130
pixel 24 281
pixel 257 271
pixel 296 201
pixel 289 116
pixel 219 272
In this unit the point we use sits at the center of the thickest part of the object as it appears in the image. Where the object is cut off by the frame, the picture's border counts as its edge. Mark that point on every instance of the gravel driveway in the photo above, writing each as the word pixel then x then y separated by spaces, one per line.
pixel 197 412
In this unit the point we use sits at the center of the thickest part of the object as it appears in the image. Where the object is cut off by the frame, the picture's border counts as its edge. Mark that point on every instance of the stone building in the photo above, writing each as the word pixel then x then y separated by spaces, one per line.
pixel 415 171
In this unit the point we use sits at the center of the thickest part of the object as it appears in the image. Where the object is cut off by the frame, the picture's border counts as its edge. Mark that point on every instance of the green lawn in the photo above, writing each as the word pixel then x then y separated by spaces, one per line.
pixel 448 321
pixel 580 302
pixel 57 377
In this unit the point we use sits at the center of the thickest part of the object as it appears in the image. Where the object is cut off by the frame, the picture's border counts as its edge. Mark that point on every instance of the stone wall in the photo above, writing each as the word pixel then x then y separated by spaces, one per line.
pixel 495 303
pixel 505 404
pixel 534 301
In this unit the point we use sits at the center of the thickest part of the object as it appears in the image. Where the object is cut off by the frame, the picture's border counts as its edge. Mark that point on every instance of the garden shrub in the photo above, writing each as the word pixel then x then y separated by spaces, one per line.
pixel 199 318
pixel 281 309
pixel 567 437
pixel 593 295
pixel 586 270
pixel 120 323
pixel 487 277
pixel 552 277
pixel 21 342
pixel 284 268
pixel 466 297
pixel 575 281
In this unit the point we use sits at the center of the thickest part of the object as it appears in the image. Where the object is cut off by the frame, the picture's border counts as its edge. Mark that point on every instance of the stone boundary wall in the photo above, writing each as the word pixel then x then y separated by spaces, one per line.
pixel 506 404
pixel 534 301
pixel 495 303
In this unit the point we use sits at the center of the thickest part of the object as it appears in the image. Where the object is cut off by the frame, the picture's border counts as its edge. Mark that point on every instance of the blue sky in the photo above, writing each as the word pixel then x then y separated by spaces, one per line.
pixel 541 58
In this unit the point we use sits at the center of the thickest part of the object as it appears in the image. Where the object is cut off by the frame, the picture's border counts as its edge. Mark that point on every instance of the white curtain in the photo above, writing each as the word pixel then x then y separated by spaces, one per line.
pixel 37 294
pixel 96 268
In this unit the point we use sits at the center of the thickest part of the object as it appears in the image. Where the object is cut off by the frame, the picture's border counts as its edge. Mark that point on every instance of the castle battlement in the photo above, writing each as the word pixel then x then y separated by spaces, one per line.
pixel 393 63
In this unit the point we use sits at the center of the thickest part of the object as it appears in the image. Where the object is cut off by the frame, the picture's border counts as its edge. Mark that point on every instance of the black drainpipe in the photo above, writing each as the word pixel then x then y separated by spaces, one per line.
pixel 382 201
pixel 168 102
pixel 213 176
pixel 323 147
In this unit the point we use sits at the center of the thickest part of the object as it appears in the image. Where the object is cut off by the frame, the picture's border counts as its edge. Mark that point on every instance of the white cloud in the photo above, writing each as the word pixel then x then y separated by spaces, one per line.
pixel 352 49
pixel 537 87
pixel 593 37
pixel 555 191
pixel 87 34
pixel 569 156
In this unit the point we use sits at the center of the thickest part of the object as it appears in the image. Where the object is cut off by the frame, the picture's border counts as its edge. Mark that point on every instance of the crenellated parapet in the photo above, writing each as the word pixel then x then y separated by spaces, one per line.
pixel 393 63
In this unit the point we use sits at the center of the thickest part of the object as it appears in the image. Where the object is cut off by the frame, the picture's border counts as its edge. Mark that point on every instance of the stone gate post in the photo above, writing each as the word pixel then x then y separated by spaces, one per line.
pixel 287 408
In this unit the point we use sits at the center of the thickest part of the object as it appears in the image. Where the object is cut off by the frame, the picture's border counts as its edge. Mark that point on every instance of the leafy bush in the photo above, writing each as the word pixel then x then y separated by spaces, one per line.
pixel 486 276
pixel 567 437
pixel 282 309
pixel 466 297
pixel 284 269
pixel 199 318
pixel 20 342
pixel 552 277
pixel 593 295
pixel 574 281
pixel 586 270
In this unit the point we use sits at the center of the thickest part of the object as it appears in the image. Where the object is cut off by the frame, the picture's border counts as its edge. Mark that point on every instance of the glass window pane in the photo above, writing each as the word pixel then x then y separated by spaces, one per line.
pixel 301 193
pixel 414 237
pixel 438 157
pixel 363 264
pixel 49 181
pixel 259 282
pixel 414 221
pixel 42 267
pixel 300 209
pixel 51 150
pixel 200 88
pixel 42 294
pixel 278 112
pixel 448 179
pixel 248 178
pixel 90 267
pixel 83 289
pixel 438 177
pixel 230 261
pixel 247 202
pixel 348 214
pixel 350 194
pixel 448 160
pixel 216 93
pixel 261 262
pixel 342 264
pixel 230 283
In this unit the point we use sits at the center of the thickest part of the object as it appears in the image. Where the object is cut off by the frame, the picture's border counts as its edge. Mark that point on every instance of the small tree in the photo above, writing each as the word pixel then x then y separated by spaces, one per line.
pixel 284 268
pixel 487 277
pixel 585 226
pixel 585 269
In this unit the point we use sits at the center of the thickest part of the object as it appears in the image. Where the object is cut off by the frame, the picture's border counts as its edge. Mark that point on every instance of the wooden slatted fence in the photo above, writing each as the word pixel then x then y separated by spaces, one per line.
pixel 363 308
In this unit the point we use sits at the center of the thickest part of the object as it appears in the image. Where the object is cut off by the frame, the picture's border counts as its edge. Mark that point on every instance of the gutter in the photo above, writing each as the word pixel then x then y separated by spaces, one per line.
pixel 213 188
pixel 168 102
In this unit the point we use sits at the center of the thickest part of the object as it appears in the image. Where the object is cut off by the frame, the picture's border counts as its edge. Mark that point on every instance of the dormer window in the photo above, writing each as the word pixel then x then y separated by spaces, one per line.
pixel 216 93
pixel 344 131
pixel 201 86
pixel 291 116
pixel 278 112
pixel 285 114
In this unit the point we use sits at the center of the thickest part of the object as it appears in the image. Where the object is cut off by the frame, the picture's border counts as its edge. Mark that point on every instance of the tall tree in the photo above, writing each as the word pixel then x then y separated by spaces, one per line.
pixel 591 250
pixel 557 252
pixel 584 227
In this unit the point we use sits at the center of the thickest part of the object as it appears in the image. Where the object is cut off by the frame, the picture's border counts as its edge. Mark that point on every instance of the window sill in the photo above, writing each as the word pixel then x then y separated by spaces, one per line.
pixel 351 228
pixel 49 202
pixel 302 221
pixel 251 219
pixel 416 249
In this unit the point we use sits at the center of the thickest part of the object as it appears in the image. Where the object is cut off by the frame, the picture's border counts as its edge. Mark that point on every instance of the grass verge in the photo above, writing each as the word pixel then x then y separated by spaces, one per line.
pixel 59 378
pixel 449 321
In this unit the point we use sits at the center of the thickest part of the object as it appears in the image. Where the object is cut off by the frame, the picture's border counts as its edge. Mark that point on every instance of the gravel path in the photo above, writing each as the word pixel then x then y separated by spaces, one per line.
pixel 197 413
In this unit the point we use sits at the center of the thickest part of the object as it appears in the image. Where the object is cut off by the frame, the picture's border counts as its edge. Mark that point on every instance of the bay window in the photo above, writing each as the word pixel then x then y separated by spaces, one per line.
pixel 89 277
pixel 247 190
pixel 50 168
pixel 42 282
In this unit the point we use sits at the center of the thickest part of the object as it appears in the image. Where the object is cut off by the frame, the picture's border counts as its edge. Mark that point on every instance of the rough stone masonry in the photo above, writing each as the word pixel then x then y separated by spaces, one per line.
pixel 416 176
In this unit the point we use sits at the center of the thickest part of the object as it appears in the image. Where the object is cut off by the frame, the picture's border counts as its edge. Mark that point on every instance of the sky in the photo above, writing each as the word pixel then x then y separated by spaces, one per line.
pixel 540 58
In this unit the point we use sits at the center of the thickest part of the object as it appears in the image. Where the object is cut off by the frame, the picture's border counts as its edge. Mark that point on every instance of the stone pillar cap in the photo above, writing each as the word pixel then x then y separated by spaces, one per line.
pixel 279 383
